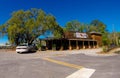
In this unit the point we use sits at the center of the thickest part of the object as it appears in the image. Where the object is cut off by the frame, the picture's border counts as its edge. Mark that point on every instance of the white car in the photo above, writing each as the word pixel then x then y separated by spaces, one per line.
pixel 25 48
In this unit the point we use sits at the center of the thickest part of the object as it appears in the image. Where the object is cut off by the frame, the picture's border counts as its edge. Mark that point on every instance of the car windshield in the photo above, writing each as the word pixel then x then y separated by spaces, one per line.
pixel 24 44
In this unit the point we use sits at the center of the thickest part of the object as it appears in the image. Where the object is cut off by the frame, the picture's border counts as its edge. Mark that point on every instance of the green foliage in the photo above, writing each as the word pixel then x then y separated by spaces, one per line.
pixel 2 30
pixel 117 52
pixel 74 26
pixel 92 28
pixel 99 26
pixel 58 32
pixel 105 49
pixel 114 38
pixel 54 47
pixel 39 45
pixel 26 26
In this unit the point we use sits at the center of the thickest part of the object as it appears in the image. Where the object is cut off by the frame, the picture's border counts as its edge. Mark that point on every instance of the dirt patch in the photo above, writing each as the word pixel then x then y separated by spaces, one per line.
pixel 103 53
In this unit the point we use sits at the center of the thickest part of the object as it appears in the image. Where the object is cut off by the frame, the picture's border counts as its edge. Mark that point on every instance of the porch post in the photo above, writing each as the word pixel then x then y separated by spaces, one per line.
pixel 70 47
pixel 77 47
pixel 97 44
pixel 46 44
pixel 52 45
pixel 89 44
pixel 61 48
pixel 83 45
pixel 93 45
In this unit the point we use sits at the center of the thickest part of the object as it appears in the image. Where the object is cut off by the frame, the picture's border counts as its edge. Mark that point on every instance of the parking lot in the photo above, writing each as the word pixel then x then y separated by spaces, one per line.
pixel 52 65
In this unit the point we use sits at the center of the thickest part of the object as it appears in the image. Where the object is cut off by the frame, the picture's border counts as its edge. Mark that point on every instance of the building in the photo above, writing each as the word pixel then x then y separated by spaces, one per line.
pixel 75 40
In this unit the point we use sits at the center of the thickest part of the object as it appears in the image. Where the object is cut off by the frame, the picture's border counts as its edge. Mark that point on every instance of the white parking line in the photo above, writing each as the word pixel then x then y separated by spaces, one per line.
pixel 82 73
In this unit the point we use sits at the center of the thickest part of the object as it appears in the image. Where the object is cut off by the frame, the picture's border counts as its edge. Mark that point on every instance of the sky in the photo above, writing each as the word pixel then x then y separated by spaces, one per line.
pixel 107 11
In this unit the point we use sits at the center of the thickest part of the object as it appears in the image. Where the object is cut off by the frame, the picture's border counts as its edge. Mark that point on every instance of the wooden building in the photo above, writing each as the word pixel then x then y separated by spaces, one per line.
pixel 75 40
pixel 97 36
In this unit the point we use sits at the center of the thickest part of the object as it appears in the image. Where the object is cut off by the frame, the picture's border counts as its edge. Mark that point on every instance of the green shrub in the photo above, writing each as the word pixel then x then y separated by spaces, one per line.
pixel 117 52
pixel 105 49
pixel 54 47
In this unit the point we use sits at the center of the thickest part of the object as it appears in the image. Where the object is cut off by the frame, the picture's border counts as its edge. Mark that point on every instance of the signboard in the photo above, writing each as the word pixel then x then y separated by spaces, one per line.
pixel 81 35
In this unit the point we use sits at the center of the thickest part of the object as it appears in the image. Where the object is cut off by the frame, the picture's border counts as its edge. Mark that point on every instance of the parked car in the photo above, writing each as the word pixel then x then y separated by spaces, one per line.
pixel 25 48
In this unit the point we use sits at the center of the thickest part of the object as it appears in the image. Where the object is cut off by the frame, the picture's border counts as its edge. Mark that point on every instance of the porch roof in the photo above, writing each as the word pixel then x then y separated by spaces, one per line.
pixel 82 39
pixel 74 39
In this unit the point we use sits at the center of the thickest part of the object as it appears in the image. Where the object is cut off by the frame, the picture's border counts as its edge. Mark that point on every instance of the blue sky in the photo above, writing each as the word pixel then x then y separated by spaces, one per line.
pixel 107 11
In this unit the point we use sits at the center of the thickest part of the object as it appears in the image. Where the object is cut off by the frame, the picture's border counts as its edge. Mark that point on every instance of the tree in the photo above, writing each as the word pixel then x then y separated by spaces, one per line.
pixel 99 26
pixel 91 28
pixel 114 38
pixel 2 30
pixel 58 32
pixel 26 26
pixel 53 27
pixel 74 26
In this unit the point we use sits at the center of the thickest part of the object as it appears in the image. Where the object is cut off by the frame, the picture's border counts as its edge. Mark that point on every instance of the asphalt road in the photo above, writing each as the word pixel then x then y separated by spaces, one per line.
pixel 106 67
pixel 32 65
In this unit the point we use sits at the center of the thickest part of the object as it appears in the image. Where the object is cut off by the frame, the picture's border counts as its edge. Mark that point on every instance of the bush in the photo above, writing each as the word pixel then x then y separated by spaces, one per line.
pixel 117 52
pixel 105 49
pixel 54 47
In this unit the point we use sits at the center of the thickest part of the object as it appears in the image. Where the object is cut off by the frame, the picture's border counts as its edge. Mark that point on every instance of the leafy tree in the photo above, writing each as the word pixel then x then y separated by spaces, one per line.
pixel 74 26
pixel 26 26
pixel 53 27
pixel 91 28
pixel 114 38
pixel 99 26
pixel 2 30
pixel 58 33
